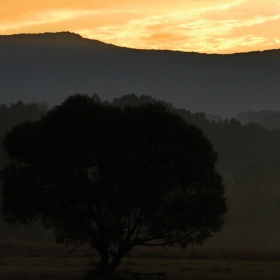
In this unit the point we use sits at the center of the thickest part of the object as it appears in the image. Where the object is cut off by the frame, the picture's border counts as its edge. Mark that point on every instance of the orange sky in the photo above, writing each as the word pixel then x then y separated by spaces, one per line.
pixel 210 26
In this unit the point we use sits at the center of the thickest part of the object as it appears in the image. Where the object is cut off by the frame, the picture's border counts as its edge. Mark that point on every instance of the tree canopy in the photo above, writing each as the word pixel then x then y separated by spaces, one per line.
pixel 113 178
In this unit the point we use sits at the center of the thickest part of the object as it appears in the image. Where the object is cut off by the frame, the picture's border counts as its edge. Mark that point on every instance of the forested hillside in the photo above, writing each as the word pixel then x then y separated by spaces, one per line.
pixel 249 161
pixel 267 118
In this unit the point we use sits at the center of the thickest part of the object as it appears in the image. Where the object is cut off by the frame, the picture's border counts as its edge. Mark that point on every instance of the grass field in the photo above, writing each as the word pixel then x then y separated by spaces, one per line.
pixel 52 262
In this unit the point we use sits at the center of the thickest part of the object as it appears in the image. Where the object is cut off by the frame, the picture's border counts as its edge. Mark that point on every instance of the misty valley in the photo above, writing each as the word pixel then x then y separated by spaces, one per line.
pixel 210 121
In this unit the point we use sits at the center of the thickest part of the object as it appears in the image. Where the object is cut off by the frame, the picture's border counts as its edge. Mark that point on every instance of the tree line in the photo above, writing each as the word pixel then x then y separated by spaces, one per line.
pixel 237 145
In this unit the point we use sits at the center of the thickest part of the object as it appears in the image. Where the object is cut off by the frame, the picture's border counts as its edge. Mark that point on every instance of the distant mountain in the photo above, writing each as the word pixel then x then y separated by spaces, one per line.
pixel 48 67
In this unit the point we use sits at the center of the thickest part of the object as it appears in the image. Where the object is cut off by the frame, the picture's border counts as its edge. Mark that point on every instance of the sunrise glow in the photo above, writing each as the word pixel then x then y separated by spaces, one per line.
pixel 208 26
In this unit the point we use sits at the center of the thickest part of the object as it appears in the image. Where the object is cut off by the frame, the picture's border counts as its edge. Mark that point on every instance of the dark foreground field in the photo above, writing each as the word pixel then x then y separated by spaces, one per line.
pixel 189 264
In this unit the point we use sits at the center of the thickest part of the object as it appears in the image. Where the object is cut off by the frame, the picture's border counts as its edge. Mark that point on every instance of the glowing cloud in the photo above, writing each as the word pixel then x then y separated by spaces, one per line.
pixel 212 26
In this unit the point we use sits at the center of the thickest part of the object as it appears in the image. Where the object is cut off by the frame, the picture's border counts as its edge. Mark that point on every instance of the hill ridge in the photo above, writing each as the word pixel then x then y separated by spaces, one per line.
pixel 60 38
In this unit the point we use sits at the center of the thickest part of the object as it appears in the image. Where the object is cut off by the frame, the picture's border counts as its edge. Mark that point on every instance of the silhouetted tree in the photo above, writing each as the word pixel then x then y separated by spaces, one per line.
pixel 113 179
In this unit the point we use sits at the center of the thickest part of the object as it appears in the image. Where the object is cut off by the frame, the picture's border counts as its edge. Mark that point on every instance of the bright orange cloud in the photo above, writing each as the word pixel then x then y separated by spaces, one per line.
pixel 212 26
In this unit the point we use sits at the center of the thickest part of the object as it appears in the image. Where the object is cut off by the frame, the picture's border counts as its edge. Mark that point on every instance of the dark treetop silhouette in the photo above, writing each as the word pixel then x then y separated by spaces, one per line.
pixel 113 179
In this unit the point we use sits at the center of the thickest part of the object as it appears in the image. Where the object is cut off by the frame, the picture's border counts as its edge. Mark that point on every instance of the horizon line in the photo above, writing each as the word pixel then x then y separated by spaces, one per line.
pixel 134 48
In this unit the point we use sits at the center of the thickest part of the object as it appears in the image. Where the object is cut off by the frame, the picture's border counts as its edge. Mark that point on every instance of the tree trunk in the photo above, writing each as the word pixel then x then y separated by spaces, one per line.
pixel 101 270
pixel 116 261
pixel 113 265
pixel 105 269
